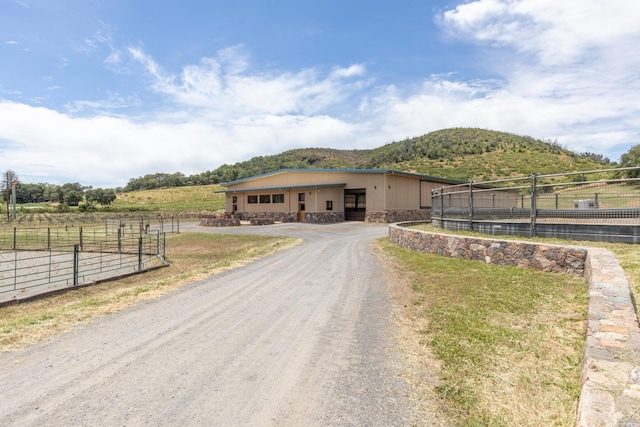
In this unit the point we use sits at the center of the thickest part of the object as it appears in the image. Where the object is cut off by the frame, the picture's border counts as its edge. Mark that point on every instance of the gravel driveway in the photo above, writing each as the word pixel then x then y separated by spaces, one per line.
pixel 300 338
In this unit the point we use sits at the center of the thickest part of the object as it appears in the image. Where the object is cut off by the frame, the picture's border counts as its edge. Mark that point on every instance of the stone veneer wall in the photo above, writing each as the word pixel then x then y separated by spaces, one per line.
pixel 255 218
pixel 610 394
pixel 259 218
pixel 220 220
pixel 323 217
pixel 275 216
pixel 398 215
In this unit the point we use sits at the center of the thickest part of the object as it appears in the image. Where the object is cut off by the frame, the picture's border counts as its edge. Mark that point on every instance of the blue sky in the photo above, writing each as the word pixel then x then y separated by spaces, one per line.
pixel 101 91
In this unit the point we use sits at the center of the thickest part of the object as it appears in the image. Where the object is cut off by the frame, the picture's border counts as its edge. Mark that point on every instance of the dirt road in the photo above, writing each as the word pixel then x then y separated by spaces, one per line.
pixel 299 338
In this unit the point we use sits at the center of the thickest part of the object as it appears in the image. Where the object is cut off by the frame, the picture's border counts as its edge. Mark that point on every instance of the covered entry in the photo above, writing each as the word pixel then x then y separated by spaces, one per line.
pixel 355 204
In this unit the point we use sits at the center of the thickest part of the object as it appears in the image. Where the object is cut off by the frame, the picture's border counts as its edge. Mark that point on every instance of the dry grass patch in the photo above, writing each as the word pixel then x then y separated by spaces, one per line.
pixel 192 256
pixel 509 341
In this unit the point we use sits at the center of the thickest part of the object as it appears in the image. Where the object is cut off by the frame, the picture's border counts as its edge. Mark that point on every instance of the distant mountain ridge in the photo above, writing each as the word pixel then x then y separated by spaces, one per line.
pixel 456 153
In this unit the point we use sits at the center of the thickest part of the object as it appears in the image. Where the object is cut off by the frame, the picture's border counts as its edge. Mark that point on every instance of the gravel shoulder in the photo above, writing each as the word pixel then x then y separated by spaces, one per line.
pixel 301 337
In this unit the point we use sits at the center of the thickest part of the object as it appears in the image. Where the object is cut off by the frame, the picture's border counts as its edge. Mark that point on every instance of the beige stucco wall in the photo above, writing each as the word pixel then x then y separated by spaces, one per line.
pixel 402 193
pixel 315 200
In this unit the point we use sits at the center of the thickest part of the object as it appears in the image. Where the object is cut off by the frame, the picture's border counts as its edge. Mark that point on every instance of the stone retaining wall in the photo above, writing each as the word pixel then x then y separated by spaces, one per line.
pixel 275 216
pixel 398 215
pixel 255 218
pixel 323 217
pixel 553 258
pixel 258 218
pixel 262 221
pixel 226 220
pixel 610 394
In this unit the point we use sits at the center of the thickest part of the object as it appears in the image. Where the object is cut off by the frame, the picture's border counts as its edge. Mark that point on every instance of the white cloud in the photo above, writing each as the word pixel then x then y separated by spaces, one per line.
pixel 557 32
pixel 224 85
pixel 355 70
pixel 106 107
pixel 107 151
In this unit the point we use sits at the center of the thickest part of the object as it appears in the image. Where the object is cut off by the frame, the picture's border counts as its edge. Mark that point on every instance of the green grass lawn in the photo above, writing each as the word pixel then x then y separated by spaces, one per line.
pixel 509 341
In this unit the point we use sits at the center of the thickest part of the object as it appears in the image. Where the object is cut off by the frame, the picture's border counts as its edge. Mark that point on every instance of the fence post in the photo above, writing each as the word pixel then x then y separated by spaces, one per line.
pixel 76 263
pixel 49 238
pixel 15 271
pixel 470 205
pixel 533 205
pixel 139 253
pixel 442 206
pixel 81 239
pixel 15 236
pixel 119 239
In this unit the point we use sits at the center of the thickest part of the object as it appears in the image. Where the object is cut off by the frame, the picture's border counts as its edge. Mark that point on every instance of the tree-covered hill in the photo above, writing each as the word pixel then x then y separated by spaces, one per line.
pixel 458 153
pixel 478 154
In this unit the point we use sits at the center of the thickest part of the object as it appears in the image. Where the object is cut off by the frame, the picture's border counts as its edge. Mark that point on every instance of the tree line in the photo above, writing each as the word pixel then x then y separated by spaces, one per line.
pixel 65 195
pixel 70 194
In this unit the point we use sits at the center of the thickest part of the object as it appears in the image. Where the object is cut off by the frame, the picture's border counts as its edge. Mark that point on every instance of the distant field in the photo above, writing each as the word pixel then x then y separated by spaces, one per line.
pixel 188 201
pixel 192 198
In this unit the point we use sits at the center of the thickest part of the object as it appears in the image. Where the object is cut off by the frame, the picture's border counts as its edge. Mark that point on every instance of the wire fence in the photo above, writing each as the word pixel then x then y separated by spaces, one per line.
pixel 36 261
pixel 600 205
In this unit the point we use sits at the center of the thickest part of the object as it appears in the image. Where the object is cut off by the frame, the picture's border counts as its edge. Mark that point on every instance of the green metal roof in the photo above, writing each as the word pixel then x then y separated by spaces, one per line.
pixel 286 187
pixel 372 171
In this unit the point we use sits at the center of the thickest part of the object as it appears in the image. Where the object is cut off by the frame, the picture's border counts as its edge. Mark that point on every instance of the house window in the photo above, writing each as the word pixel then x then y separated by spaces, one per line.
pixel 234 199
pixel 277 198
pixel 329 205
pixel 265 198
pixel 301 197
pixel 252 199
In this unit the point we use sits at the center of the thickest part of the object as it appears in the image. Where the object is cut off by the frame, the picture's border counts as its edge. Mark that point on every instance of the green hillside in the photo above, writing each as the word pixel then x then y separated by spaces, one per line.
pixel 479 154
pixel 459 153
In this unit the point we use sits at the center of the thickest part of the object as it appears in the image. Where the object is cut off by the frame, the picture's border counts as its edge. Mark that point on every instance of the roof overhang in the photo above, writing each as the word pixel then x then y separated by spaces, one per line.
pixel 281 188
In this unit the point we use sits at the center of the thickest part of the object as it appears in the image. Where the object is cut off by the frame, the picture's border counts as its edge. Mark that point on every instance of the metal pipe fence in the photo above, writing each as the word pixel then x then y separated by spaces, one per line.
pixel 27 270
pixel 599 205
pixel 15 237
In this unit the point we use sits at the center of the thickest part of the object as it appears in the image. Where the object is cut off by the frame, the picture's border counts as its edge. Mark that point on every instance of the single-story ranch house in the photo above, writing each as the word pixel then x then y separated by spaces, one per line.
pixel 329 195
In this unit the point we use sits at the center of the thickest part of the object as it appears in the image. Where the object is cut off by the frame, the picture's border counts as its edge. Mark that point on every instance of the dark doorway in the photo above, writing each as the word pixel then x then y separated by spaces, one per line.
pixel 301 207
pixel 355 204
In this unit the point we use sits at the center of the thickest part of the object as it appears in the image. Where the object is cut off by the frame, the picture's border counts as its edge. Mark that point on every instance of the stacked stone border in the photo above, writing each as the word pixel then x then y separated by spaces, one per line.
pixel 324 217
pixel 398 215
pixel 263 218
pixel 235 220
pixel 610 394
